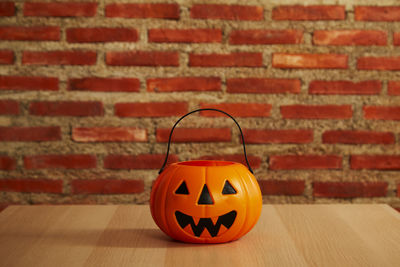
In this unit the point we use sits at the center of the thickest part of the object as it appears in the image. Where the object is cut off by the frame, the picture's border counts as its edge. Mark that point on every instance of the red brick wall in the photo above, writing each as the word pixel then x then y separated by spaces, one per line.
pixel 89 91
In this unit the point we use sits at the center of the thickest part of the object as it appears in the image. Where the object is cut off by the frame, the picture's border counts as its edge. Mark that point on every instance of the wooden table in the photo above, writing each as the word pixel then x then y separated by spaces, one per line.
pixel 285 235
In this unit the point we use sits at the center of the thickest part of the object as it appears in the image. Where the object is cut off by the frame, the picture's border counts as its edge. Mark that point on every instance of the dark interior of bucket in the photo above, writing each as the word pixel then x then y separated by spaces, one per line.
pixel 206 163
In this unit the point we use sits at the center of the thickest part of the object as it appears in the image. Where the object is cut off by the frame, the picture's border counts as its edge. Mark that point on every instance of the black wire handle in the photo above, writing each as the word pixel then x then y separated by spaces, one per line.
pixel 202 109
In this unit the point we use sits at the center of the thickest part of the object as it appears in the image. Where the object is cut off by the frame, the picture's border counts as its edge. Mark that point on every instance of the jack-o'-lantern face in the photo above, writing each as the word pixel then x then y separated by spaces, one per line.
pixel 206 201
pixel 206 226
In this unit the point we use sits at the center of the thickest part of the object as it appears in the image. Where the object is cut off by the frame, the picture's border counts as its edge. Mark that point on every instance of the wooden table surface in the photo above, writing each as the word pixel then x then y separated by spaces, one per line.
pixel 285 235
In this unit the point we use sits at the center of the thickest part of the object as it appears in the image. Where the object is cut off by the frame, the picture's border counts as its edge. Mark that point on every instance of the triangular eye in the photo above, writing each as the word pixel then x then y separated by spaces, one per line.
pixel 228 189
pixel 182 189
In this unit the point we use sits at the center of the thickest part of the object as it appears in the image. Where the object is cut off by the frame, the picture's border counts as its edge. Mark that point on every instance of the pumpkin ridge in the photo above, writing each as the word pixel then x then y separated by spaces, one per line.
pixel 164 214
pixel 240 233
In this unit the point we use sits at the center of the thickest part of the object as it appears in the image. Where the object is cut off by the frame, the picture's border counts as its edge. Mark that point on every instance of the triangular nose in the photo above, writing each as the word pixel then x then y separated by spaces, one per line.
pixel 205 198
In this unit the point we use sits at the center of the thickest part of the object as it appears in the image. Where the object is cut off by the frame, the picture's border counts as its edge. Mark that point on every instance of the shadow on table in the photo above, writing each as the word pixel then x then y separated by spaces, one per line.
pixel 137 238
pixel 122 238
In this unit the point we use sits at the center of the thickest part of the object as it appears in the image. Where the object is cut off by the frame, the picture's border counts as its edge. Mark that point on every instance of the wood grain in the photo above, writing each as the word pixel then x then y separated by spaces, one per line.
pixel 286 235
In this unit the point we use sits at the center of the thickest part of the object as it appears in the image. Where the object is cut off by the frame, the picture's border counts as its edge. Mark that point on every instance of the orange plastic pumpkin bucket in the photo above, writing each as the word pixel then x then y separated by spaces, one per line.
pixel 206 201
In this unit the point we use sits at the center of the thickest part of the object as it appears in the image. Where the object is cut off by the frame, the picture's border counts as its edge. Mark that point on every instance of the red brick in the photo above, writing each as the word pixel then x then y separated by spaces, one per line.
pixel 127 10
pixel 143 58
pixel 237 109
pixel 345 88
pixel 156 109
pixel 394 88
pixel 30 133
pixel 6 57
pixel 9 107
pixel 396 38
pixel 37 33
pixel 263 136
pixel 60 9
pixel 350 37
pixel 375 162
pixel 101 34
pixel 31 185
pixel 382 113
pixel 180 84
pixel 254 161
pixel 185 35
pixel 145 161
pixel 227 12
pixel 7 163
pixel 98 84
pixel 357 137
pixel 263 85
pixel 28 83
pixel 107 186
pixel 60 162
pixel 377 13
pixel 378 63
pixel 305 162
pixel 66 108
pixel 59 57
pixel 316 112
pixel 238 59
pixel 349 189
pixel 7 9
pixel 109 134
pixel 282 187
pixel 254 37
pixel 309 61
pixel 315 12
pixel 182 135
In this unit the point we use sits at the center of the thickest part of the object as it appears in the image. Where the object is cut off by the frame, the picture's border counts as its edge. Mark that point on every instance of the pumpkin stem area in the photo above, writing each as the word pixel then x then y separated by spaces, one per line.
pixel 206 163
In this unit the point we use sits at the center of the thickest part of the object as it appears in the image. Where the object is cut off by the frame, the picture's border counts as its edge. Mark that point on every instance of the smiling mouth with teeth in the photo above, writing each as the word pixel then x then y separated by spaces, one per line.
pixel 215 226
